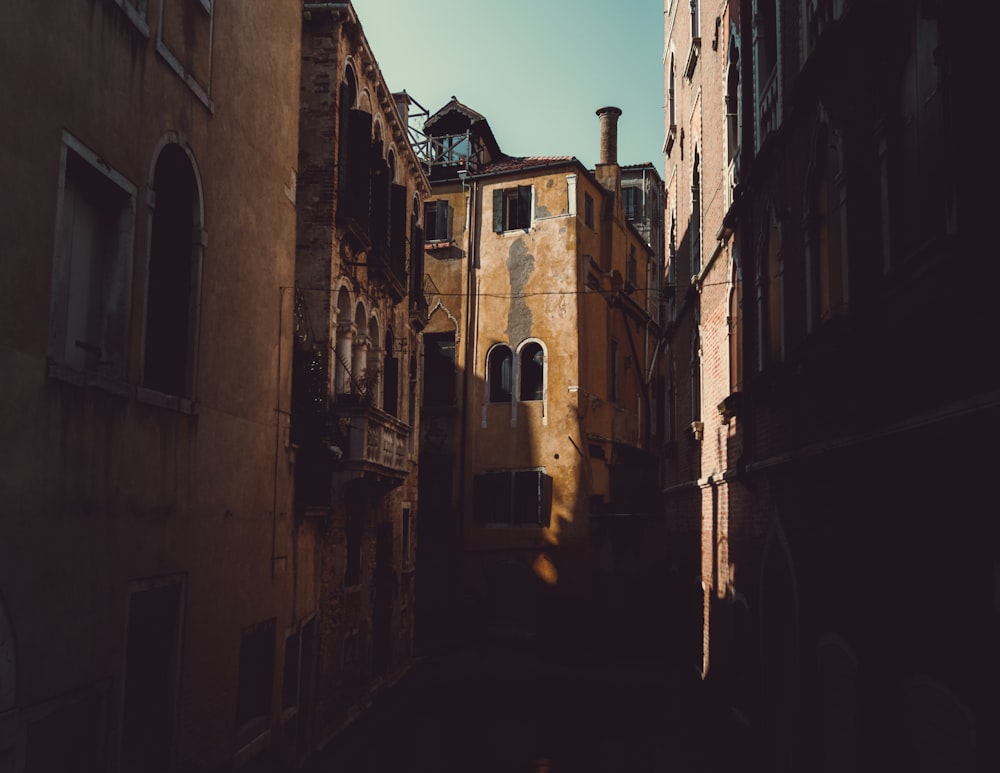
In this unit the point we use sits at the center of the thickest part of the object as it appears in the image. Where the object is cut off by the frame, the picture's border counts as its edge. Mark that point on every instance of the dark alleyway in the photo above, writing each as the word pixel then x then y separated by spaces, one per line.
pixel 499 711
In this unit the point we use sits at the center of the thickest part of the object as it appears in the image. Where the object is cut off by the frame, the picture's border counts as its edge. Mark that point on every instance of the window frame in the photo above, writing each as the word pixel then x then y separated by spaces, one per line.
pixel 488 492
pixel 521 370
pixel 496 357
pixel 121 254
pixel 150 392
pixel 434 221
pixel 522 198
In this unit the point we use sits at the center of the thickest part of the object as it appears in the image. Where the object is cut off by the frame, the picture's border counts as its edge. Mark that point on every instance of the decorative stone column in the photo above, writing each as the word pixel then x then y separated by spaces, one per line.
pixel 360 362
pixel 374 371
pixel 343 352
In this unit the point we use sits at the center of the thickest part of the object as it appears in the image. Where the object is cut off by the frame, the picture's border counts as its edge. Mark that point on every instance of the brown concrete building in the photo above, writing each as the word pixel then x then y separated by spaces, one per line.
pixel 147 614
pixel 835 598
pixel 209 349
pixel 359 312
pixel 537 417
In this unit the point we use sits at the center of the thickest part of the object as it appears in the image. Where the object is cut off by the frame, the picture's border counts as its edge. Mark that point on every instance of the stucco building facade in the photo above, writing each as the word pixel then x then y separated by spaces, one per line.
pixel 540 348
pixel 209 348
pixel 146 583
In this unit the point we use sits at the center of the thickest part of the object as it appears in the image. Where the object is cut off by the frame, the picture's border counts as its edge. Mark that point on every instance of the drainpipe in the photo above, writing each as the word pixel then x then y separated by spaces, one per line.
pixel 471 316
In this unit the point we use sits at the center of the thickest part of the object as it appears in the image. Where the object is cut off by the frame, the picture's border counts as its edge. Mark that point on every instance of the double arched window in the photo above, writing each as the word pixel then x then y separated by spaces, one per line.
pixel 527 370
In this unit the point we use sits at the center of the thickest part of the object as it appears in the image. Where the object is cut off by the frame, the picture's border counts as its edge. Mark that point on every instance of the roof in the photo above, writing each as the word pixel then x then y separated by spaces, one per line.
pixel 520 163
pixel 457 118
pixel 454 106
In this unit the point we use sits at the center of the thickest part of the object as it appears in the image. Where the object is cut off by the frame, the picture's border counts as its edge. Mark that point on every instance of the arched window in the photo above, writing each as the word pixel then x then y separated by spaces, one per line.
pixel 174 268
pixel 499 373
pixel 532 372
pixel 354 136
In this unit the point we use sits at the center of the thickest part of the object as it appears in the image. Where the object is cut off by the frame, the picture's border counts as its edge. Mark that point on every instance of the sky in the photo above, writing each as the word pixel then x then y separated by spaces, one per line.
pixel 537 69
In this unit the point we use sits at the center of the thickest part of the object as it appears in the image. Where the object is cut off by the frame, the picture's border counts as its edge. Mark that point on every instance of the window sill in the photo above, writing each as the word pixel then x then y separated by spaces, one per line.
pixel 438 244
pixel 148 396
pixel 254 747
pixel 82 378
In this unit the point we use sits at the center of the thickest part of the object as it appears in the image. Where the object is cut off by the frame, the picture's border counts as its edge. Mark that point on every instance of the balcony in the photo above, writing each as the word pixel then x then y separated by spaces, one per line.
pixel 374 443
pixel 352 440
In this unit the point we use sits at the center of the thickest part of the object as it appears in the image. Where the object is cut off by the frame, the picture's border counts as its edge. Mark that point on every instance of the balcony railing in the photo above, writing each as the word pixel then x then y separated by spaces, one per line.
pixel 375 442
pixel 352 440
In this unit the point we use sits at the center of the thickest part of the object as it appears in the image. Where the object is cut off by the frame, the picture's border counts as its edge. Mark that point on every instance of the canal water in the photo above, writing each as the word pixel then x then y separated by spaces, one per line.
pixel 495 712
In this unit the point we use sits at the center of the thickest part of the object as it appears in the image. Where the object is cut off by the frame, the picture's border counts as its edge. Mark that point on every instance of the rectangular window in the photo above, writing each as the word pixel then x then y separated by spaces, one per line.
pixel 152 675
pixel 632 202
pixel 290 683
pixel 406 538
pixel 588 210
pixel 513 498
pixel 256 675
pixel 512 208
pixel 92 265
pixel 437 221
pixel 615 375
pixel 355 531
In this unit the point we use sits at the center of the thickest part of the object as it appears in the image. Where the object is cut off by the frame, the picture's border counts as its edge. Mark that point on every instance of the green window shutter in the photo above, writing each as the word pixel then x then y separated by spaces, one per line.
pixel 498 211
pixel 523 206
pixel 442 221
pixel 430 208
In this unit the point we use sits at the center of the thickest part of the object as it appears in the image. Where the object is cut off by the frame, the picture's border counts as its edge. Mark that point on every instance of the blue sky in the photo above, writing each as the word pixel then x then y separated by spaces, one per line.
pixel 537 69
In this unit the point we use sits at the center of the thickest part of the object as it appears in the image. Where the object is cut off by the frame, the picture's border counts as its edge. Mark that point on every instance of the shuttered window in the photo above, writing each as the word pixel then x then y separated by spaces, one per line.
pixel 437 219
pixel 513 498
pixel 512 208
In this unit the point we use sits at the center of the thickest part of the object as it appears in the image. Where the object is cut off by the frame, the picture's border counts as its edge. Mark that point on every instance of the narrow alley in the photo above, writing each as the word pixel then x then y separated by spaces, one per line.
pixel 500 711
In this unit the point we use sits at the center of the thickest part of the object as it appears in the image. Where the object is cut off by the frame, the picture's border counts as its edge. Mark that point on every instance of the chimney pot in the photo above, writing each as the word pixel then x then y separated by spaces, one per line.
pixel 609 134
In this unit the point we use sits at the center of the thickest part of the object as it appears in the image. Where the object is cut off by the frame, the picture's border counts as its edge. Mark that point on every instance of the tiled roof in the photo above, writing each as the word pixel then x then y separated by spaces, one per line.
pixel 518 163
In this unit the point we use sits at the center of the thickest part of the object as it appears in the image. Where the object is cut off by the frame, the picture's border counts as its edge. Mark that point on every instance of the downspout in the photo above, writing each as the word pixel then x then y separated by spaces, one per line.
pixel 465 446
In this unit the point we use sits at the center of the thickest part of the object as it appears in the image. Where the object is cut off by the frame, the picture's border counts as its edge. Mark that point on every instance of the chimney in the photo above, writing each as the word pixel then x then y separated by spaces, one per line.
pixel 402 100
pixel 609 134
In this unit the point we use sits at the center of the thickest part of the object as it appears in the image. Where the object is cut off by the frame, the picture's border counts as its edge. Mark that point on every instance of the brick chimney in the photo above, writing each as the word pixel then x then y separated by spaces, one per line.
pixel 609 134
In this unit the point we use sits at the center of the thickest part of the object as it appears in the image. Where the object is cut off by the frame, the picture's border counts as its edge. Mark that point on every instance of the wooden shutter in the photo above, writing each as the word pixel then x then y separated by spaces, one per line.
pixel 355 187
pixel 523 206
pixel 442 220
pixel 498 224
pixel 397 232
pixel 380 204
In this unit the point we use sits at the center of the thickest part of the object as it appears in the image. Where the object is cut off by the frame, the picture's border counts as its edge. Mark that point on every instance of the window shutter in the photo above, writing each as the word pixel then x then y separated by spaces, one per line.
pixel 417 265
pixel 523 206
pixel 498 211
pixel 442 225
pixel 430 208
pixel 545 501
pixel 380 204
pixel 356 185
pixel 397 232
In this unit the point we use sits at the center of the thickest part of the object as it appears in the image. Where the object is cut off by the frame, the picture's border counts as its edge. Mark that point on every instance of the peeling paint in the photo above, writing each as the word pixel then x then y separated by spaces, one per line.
pixel 520 266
